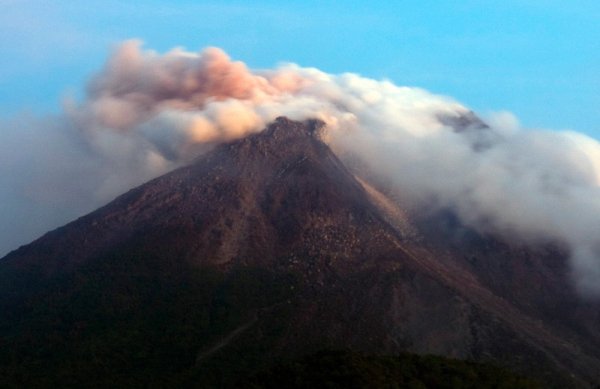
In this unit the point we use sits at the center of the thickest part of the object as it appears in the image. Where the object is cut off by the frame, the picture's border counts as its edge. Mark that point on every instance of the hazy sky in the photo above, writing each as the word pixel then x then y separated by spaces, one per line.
pixel 537 59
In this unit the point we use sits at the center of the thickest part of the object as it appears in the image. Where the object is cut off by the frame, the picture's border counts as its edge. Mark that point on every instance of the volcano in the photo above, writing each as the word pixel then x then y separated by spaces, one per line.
pixel 270 248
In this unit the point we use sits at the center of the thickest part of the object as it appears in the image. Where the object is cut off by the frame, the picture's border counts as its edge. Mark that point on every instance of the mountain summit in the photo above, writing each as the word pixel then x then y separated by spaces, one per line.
pixel 269 248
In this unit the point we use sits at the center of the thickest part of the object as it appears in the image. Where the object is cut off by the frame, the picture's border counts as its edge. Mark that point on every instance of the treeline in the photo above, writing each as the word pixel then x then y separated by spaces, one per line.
pixel 347 369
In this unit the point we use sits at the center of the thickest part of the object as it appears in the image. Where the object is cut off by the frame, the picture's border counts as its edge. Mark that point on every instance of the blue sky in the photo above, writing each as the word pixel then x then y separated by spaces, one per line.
pixel 537 59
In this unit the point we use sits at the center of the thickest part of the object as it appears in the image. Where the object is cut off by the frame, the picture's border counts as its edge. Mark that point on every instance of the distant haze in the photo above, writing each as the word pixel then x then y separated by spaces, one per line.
pixel 146 113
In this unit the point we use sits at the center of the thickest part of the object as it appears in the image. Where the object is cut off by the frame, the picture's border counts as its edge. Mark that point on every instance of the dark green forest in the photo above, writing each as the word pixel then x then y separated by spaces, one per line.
pixel 346 369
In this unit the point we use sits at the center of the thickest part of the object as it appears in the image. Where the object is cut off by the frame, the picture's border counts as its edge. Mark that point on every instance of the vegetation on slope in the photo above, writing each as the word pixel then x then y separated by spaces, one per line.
pixel 346 369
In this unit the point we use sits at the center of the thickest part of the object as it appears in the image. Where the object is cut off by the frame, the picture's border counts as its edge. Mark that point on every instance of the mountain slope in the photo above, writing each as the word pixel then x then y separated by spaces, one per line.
pixel 264 248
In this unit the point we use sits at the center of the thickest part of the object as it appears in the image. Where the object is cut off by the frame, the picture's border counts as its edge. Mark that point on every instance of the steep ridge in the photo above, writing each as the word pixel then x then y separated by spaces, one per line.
pixel 527 285
pixel 264 248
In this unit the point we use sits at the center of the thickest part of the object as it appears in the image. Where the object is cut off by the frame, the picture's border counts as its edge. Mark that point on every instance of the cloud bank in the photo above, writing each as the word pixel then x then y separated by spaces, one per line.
pixel 146 113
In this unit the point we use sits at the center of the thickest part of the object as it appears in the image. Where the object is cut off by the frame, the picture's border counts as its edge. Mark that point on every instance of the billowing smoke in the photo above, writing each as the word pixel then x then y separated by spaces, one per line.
pixel 147 113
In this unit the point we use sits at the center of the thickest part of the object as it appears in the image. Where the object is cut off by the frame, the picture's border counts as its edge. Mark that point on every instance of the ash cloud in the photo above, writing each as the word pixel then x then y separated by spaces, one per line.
pixel 146 113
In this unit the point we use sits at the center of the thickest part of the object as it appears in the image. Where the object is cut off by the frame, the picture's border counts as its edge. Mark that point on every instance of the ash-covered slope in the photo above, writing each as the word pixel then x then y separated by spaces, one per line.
pixel 265 248
pixel 261 200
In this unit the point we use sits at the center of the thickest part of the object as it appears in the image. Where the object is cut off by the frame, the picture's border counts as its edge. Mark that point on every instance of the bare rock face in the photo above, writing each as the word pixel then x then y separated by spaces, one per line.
pixel 268 248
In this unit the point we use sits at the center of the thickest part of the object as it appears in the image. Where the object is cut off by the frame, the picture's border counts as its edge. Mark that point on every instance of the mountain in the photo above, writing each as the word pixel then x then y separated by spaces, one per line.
pixel 267 249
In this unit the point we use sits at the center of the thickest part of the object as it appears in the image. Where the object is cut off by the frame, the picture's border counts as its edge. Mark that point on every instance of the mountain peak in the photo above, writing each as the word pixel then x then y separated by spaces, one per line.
pixel 283 126
pixel 282 141
pixel 287 135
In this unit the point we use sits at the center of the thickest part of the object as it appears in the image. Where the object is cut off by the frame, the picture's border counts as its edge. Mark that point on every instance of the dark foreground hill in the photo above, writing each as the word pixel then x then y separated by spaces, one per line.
pixel 267 249
pixel 351 370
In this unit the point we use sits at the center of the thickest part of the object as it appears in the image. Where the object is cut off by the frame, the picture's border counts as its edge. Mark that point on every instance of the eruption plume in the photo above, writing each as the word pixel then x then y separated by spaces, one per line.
pixel 147 113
